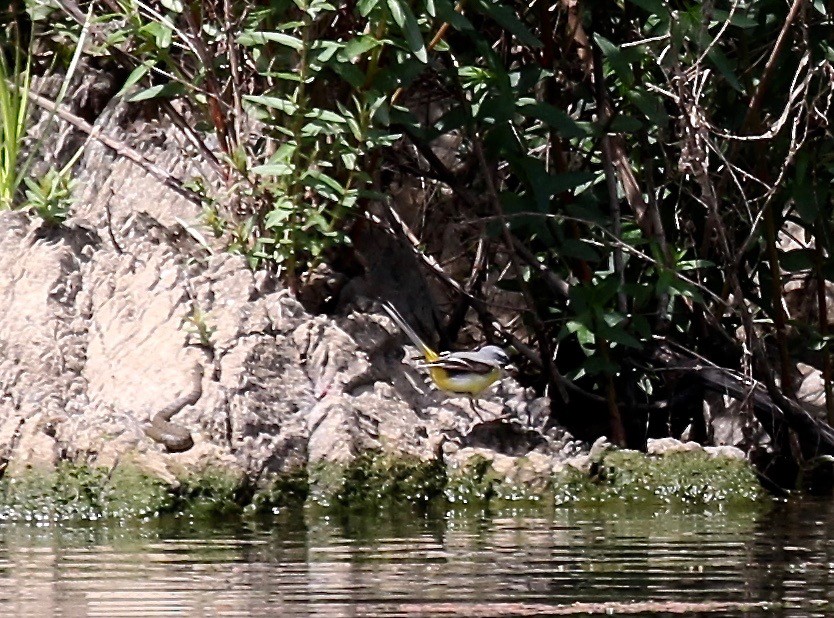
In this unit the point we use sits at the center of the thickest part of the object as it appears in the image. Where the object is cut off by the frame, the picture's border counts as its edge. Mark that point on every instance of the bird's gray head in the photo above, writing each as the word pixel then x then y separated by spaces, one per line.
pixel 495 354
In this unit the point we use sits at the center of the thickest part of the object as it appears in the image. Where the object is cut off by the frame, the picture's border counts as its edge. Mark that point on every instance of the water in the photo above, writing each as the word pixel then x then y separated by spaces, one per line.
pixel 776 559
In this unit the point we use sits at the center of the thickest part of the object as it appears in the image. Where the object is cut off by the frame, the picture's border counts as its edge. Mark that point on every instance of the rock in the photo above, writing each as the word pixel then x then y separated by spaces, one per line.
pixel 810 390
pixel 103 320
pixel 664 446
pixel 599 448
pixel 97 337
pixel 730 452
pixel 729 423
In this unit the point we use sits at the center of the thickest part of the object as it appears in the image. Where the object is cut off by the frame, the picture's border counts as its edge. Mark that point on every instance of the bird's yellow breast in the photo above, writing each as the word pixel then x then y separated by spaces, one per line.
pixel 461 382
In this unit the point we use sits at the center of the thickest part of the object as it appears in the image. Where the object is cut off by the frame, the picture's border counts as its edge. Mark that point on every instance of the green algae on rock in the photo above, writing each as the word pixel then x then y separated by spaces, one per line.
pixel 78 491
pixel 374 479
pixel 378 480
pixel 279 491
pixel 686 477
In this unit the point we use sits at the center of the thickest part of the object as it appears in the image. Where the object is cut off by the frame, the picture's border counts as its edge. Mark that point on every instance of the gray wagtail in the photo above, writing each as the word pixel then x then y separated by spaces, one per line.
pixel 463 373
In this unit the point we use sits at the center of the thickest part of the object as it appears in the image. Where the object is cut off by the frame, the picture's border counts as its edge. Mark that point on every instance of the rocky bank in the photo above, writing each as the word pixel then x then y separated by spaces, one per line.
pixel 104 319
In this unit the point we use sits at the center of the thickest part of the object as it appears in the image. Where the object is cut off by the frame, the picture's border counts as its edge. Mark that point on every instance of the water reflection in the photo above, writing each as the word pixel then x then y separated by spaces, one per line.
pixel 472 564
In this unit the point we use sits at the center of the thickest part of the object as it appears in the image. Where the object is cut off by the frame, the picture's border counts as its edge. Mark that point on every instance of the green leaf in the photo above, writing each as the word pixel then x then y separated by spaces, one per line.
pixel 739 19
pixel 276 217
pixel 397 12
pixel 283 105
pixel 495 110
pixel 273 169
pixel 162 91
pixel 552 116
pixel 582 332
pixel 455 119
pixel 616 334
pixel 325 115
pixel 248 39
pixel 366 6
pixel 724 67
pixel 573 248
pixel 625 124
pixel 172 5
pixel 360 45
pixel 290 77
pixel 324 185
pixel 405 19
pixel 135 75
pixel 325 50
pixel 506 18
pixel 597 364
pixel 447 13
pixel 559 183
pixel 650 104
pixel 685 265
pixel 160 32
pixel 619 60
pixel 315 128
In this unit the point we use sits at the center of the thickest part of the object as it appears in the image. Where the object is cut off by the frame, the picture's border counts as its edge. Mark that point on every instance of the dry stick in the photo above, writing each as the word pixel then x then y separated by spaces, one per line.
pixel 617 429
pixel 752 120
pixel 663 301
pixel 554 282
pixel 777 291
pixel 118 147
pixel 234 69
pixel 558 285
pixel 754 106
pixel 446 176
pixel 822 309
pixel 752 109
pixel 428 260
pixel 477 303
pixel 767 74
pixel 476 274
pixel 554 377
pixel 512 244
pixel 757 348
pixel 214 100
pixel 612 241
pixel 128 61
pixel 191 135
pixel 616 221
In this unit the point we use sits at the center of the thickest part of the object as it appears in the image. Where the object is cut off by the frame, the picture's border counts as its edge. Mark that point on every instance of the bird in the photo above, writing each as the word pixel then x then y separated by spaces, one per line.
pixel 459 373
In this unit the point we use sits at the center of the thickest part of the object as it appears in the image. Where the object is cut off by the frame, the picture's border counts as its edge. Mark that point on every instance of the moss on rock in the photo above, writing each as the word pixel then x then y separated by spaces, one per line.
pixel 375 479
pixel 280 490
pixel 484 477
pixel 79 491
pixel 692 477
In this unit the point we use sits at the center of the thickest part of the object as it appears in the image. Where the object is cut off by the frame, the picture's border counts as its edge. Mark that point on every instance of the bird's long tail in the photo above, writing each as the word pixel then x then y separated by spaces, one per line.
pixel 431 355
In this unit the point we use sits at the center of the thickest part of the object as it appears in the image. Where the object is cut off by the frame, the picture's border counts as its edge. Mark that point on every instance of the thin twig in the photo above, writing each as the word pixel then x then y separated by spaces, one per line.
pixel 119 147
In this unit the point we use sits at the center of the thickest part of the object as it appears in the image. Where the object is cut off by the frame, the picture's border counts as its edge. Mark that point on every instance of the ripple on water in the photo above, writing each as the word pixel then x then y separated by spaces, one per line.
pixel 575 561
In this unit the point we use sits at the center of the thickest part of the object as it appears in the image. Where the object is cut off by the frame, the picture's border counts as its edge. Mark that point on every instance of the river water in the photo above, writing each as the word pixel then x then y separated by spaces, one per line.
pixel 778 559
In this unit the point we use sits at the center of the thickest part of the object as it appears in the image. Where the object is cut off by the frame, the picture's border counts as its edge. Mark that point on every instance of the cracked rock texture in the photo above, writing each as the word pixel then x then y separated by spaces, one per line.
pixel 101 322
pixel 95 339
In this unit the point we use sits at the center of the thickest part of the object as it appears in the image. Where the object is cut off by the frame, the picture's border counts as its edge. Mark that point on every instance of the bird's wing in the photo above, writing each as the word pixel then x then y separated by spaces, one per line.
pixel 395 315
pixel 463 361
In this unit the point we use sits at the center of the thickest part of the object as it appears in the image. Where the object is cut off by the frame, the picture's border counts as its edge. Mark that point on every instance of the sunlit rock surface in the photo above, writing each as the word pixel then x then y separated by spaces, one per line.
pixel 103 320
pixel 97 338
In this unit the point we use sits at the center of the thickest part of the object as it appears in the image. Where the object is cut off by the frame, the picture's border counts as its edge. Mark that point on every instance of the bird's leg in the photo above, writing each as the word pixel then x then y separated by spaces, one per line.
pixel 475 409
pixel 504 416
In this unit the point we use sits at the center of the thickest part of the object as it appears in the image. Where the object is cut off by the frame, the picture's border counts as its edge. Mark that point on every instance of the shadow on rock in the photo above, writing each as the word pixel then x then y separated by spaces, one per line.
pixel 503 437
